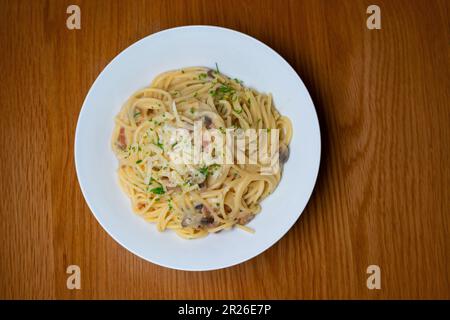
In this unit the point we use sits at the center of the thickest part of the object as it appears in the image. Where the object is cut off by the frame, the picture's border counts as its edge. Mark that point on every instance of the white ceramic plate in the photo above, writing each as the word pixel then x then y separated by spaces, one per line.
pixel 239 56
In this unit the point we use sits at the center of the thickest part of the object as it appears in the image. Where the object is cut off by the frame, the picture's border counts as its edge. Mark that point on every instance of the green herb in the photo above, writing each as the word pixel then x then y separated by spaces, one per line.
pixel 174 144
pixel 139 161
pixel 159 190
pixel 160 145
pixel 225 89
pixel 170 204
pixel 202 76
pixel 192 110
pixel 238 111
pixel 222 130
pixel 238 81
pixel 222 91
pixel 195 94
pixel 137 114
pixel 214 166
pixel 204 171
pixel 217 68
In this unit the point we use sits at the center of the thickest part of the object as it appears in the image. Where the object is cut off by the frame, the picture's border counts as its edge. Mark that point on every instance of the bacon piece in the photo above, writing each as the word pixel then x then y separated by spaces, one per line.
pixel 205 144
pixel 207 221
pixel 210 73
pixel 121 140
pixel 246 219
pixel 140 205
pixel 208 122
pixel 205 211
pixel 174 189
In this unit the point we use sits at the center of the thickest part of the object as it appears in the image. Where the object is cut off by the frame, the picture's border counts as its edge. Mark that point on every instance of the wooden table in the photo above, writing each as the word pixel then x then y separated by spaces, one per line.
pixel 383 192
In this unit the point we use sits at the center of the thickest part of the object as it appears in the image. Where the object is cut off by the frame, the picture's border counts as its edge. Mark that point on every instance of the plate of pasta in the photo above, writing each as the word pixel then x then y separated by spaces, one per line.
pixel 197 148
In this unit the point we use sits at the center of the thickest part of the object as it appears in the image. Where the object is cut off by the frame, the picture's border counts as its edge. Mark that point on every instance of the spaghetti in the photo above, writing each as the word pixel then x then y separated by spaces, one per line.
pixel 195 199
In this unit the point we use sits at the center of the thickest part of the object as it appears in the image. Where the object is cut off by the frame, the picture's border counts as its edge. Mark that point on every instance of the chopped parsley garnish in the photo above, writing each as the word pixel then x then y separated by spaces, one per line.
pixel 160 145
pixel 202 76
pixel 222 91
pixel 137 114
pixel 238 111
pixel 238 81
pixel 204 171
pixel 217 68
pixel 225 89
pixel 214 166
pixel 158 190
pixel 139 161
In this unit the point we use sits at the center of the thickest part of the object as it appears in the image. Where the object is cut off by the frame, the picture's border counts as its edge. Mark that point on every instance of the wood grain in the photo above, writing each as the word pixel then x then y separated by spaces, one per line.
pixel 382 195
